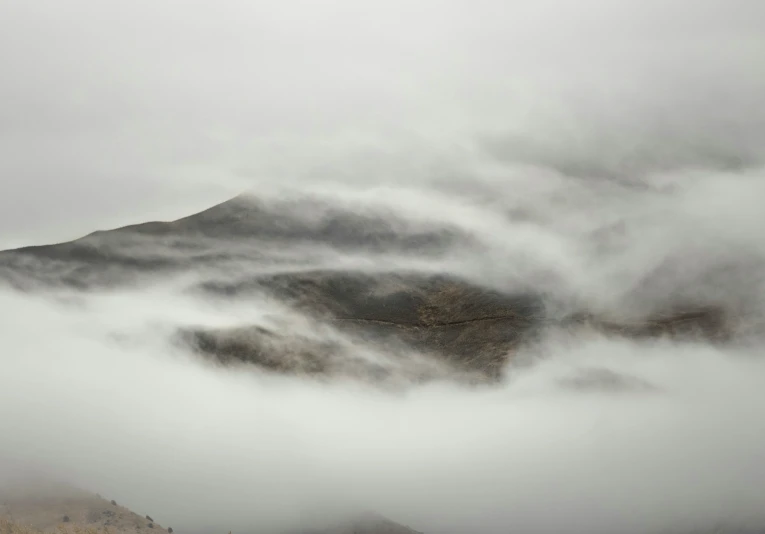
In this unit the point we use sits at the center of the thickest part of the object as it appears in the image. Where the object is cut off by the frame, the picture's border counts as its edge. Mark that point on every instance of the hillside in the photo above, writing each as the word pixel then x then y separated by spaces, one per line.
pixel 53 506
pixel 243 249
pixel 62 509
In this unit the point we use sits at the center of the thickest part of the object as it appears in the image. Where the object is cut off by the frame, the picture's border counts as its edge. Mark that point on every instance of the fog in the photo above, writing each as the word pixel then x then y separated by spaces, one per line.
pixel 95 391
pixel 209 449
pixel 119 114
pixel 610 153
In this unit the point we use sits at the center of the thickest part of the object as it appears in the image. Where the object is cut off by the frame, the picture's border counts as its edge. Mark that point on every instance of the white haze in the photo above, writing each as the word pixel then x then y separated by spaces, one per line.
pixel 625 137
pixel 115 114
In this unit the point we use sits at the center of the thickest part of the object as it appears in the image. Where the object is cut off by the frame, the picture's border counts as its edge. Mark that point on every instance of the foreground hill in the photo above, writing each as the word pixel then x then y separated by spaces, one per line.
pixel 52 506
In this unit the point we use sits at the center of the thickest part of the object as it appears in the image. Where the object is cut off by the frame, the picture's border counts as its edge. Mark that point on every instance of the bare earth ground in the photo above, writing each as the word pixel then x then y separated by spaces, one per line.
pixel 46 509
pixel 62 509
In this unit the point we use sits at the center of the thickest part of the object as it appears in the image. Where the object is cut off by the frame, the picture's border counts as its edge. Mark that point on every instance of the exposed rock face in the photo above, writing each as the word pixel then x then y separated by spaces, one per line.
pixel 469 327
pixel 708 322
pixel 242 248
pixel 473 328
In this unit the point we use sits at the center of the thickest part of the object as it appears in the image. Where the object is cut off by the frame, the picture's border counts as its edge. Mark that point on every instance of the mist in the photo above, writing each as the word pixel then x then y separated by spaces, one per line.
pixel 610 154
pixel 120 114
pixel 96 392
pixel 205 448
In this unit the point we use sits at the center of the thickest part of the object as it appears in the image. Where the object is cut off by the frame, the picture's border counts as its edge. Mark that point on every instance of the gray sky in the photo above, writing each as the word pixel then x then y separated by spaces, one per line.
pixel 117 112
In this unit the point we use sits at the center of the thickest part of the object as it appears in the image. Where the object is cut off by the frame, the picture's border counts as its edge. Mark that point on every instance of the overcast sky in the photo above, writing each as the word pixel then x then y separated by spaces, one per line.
pixel 115 112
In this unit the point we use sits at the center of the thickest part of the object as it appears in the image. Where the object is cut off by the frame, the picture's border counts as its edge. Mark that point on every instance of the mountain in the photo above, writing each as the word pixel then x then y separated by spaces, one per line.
pixel 245 248
pixel 350 278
